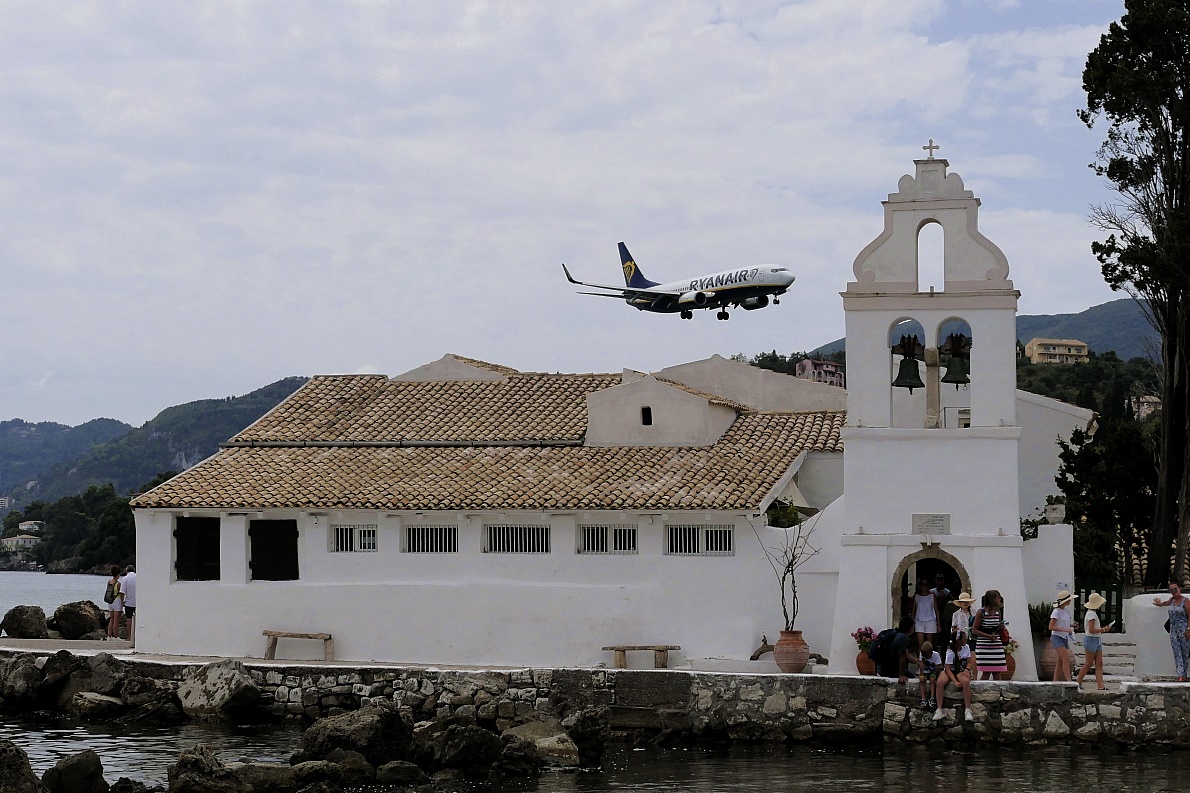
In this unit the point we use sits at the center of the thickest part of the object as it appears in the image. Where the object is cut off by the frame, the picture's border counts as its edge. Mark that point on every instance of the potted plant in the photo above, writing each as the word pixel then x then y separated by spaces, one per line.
pixel 863 639
pixel 787 550
pixel 1009 648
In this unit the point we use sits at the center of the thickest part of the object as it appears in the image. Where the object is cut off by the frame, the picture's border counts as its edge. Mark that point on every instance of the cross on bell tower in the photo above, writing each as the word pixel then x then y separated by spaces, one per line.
pixel 930 149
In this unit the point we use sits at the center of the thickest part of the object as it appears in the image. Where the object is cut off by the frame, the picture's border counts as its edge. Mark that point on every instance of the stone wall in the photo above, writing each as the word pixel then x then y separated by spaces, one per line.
pixel 701 707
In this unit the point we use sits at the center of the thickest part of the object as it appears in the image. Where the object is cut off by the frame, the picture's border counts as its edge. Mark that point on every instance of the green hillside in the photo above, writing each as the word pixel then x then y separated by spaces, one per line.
pixel 1119 326
pixel 26 449
pixel 176 439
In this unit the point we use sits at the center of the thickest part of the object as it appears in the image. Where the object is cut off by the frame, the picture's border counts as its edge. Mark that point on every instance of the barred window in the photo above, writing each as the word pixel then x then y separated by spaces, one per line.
pixel 699 540
pixel 516 539
pixel 607 539
pixel 431 539
pixel 353 538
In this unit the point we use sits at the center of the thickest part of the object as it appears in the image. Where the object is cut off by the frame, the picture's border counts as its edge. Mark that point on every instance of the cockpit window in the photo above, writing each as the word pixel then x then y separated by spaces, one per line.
pixel 780 270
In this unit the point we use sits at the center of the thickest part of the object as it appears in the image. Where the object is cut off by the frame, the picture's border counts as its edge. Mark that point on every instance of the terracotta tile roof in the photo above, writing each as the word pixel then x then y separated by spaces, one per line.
pixel 734 474
pixel 524 407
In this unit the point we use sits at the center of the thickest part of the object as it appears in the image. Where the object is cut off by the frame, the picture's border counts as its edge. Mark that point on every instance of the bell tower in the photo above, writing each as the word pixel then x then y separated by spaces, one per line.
pixel 929 472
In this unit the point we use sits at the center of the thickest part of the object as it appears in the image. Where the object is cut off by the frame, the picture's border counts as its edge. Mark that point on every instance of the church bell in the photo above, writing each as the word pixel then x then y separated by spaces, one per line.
pixel 908 376
pixel 957 372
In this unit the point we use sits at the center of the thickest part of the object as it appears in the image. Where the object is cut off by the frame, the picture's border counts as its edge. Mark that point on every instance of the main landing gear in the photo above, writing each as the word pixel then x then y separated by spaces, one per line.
pixel 723 315
pixel 687 314
pixel 776 301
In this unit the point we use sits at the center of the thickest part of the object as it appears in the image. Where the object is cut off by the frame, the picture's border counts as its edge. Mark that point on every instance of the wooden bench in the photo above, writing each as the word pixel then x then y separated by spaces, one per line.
pixel 270 649
pixel 660 654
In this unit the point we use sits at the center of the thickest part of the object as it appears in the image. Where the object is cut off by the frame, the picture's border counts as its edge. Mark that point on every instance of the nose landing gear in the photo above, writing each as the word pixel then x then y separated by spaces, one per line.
pixel 723 315
pixel 687 314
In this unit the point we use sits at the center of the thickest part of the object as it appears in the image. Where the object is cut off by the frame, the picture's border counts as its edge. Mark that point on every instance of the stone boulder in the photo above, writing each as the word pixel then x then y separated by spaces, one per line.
pixel 379 734
pixel 78 773
pixel 264 777
pixel 19 679
pixel 58 667
pixel 107 674
pixel 198 770
pixel 457 744
pixel 91 706
pixel 401 773
pixel 25 622
pixel 126 785
pixel 590 729
pixel 152 701
pixel 519 758
pixel 76 620
pixel 93 636
pixel 549 738
pixel 219 691
pixel 15 774
pixel 314 773
pixel 357 771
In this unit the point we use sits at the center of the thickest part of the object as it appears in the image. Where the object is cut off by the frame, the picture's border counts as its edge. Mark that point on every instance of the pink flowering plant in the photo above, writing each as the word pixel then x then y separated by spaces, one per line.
pixel 864 637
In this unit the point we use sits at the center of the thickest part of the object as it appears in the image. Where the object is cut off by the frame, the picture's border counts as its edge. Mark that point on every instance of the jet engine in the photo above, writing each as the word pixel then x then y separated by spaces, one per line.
pixel 753 303
pixel 697 298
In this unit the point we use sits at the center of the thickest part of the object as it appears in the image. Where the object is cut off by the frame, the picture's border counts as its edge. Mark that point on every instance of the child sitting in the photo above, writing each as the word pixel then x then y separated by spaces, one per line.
pixel 958 656
pixel 928 663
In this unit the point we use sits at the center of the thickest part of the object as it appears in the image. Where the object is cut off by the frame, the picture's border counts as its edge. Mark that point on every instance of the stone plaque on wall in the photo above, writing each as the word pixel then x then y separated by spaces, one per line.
pixel 931 523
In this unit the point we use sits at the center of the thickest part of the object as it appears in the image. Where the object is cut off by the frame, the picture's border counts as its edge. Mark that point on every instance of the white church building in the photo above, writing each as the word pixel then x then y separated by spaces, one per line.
pixel 468 513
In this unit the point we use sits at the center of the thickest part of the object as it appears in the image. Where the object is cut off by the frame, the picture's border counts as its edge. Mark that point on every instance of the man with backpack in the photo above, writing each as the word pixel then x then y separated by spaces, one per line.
pixel 890 650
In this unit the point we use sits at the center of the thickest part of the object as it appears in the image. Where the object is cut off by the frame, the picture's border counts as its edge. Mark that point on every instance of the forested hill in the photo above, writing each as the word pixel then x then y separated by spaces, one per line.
pixel 176 439
pixel 1119 326
pixel 26 449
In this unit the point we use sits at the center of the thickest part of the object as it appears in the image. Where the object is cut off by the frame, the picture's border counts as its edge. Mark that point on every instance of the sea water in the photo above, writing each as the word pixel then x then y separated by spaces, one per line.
pixel 49 591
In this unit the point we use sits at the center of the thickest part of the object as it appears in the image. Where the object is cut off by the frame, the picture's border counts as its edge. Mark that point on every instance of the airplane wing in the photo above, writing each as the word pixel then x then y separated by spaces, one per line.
pixel 622 291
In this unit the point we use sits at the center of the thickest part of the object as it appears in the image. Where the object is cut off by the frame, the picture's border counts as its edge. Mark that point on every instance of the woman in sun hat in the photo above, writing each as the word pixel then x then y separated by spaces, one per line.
pixel 1092 642
pixel 1061 634
pixel 961 620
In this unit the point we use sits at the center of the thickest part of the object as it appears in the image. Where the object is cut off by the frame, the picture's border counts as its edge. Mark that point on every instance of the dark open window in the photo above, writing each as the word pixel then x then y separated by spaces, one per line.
pixel 274 554
pixel 196 543
pixel 646 416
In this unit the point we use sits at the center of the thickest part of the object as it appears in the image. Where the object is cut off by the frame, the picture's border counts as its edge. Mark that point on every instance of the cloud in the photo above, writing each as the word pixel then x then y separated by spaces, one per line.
pixel 211 196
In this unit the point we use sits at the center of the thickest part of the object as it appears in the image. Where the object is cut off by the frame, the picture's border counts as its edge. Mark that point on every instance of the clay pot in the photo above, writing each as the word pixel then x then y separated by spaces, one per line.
pixel 865 665
pixel 1047 661
pixel 791 652
pixel 1010 662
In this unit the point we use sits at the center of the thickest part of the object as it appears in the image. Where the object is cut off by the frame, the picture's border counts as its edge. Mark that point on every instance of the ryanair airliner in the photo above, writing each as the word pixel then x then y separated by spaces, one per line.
pixel 747 288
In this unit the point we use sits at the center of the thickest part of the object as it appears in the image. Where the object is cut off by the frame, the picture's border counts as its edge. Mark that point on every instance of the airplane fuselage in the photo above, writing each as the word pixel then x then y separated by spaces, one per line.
pixel 744 287
pixel 748 288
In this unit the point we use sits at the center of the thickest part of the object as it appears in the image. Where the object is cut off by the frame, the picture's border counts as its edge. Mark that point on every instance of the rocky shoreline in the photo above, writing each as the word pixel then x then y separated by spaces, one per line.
pixel 441 726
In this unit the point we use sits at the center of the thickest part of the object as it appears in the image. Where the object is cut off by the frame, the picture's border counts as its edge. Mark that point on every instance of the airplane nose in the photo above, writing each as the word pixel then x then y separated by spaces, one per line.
pixel 791 278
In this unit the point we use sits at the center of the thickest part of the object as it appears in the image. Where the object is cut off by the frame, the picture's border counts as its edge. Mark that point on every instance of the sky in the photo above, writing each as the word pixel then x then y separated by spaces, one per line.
pixel 199 198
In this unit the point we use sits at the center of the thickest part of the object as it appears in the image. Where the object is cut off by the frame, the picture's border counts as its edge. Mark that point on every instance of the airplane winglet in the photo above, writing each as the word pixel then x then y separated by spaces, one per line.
pixel 570 277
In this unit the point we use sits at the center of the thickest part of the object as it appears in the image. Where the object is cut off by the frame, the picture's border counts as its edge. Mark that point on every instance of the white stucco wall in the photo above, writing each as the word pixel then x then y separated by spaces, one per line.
pixel 1043 421
pixel 820 479
pixel 1049 563
pixel 679 417
pixel 555 609
pixel 1145 624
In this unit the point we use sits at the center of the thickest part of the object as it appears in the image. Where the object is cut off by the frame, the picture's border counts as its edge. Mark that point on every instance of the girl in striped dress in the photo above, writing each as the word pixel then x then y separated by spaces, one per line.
pixel 989 649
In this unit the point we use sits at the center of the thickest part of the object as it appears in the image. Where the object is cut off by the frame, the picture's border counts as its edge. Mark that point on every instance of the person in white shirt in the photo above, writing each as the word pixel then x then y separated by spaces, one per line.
pixel 1093 642
pixel 1061 634
pixel 128 588
pixel 958 658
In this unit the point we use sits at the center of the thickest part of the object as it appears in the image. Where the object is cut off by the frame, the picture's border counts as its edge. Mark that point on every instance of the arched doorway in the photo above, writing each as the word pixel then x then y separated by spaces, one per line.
pixel 927 564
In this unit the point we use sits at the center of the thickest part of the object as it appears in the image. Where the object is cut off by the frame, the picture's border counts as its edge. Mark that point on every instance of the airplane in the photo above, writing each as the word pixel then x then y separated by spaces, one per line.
pixel 748 288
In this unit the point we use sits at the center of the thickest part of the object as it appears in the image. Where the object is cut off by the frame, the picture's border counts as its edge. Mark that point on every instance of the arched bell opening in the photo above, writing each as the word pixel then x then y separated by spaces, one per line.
pixel 931 256
pixel 954 352
pixel 927 564
pixel 907 341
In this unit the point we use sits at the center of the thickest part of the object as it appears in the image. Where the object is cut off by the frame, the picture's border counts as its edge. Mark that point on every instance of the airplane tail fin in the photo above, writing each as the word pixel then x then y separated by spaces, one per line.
pixel 633 277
